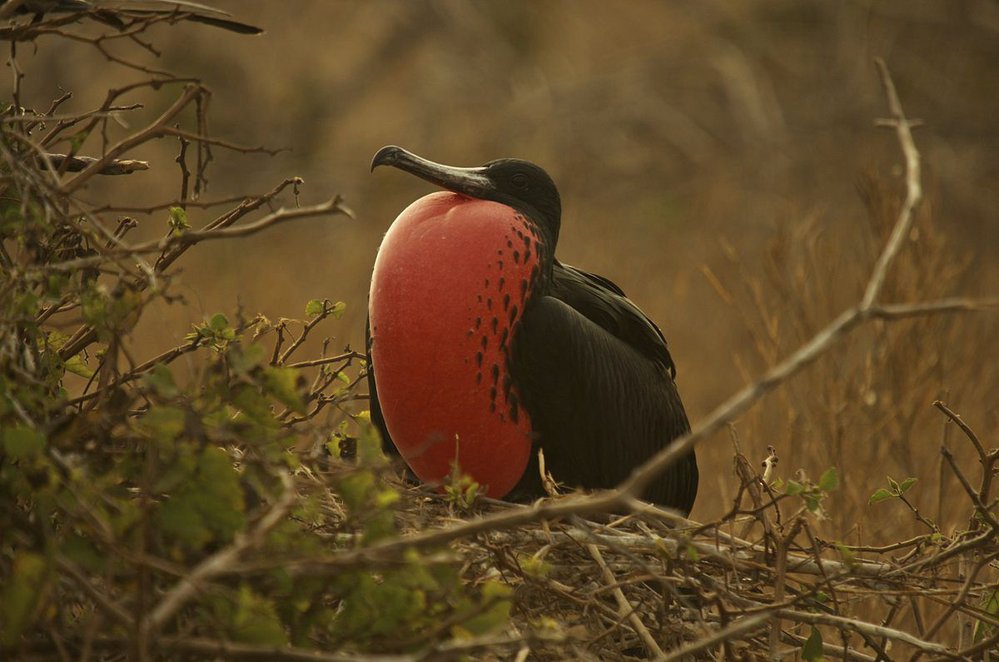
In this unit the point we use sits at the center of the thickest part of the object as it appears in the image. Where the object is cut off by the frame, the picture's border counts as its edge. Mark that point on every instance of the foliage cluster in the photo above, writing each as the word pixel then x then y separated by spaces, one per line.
pixel 151 513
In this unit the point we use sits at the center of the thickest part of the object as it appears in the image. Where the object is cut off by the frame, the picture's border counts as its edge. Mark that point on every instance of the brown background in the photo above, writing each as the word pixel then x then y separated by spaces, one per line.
pixel 681 134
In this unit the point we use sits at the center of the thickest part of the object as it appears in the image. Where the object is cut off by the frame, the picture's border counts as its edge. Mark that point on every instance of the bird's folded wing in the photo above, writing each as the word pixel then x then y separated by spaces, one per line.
pixel 600 405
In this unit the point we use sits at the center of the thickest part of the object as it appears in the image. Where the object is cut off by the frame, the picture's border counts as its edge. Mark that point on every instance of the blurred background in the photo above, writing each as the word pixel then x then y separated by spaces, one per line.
pixel 718 160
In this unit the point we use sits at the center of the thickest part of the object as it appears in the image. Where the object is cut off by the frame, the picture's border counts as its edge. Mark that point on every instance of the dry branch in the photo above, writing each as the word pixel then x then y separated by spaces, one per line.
pixel 68 163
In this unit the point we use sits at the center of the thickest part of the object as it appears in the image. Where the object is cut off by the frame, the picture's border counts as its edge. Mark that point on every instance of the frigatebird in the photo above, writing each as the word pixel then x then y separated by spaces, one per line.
pixel 484 348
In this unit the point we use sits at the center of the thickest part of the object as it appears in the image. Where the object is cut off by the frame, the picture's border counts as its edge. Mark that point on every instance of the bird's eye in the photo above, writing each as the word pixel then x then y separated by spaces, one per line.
pixel 519 180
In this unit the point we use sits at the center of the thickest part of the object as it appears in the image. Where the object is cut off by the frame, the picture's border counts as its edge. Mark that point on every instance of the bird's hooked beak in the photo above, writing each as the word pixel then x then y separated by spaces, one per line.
pixel 472 182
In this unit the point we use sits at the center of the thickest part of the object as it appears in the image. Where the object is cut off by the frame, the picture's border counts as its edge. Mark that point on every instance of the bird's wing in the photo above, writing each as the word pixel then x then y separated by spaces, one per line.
pixel 604 303
pixel 595 377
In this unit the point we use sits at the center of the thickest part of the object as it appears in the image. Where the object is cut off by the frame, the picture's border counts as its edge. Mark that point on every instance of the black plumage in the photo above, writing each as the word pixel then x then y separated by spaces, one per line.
pixel 597 379
pixel 591 369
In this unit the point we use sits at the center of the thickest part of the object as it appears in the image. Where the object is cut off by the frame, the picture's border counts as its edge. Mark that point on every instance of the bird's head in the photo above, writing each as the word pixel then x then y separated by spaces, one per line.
pixel 516 183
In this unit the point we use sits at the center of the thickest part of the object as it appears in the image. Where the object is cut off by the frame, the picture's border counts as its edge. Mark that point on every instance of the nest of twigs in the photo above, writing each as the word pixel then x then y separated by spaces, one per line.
pixel 755 584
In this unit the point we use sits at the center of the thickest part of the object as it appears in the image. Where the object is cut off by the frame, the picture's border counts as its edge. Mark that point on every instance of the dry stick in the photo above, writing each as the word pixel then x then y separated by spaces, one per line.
pixel 939 558
pixel 818 618
pixel 835 651
pixel 9 7
pixel 246 149
pixel 625 608
pixel 53 186
pixel 231 650
pixel 70 163
pixel 780 582
pixel 180 202
pixel 972 437
pixel 311 363
pixel 31 123
pixel 216 564
pixel 227 219
pixel 86 335
pixel 957 601
pixel 327 311
pixel 893 311
pixel 734 630
pixel 138 371
pixel 110 607
pixel 282 215
pixel 865 572
pixel 913 187
pixel 106 110
pixel 982 509
pixel 191 92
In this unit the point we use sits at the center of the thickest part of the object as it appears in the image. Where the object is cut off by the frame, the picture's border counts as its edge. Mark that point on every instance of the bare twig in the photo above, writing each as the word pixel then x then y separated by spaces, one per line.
pixel 67 163
pixel 913 188
pixel 624 607
pixel 736 629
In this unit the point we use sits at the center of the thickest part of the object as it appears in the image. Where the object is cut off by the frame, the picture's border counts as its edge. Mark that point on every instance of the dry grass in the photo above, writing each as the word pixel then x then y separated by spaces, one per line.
pixel 867 409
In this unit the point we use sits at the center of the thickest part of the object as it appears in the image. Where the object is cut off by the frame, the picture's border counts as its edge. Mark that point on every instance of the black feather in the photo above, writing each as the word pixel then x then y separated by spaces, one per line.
pixel 596 379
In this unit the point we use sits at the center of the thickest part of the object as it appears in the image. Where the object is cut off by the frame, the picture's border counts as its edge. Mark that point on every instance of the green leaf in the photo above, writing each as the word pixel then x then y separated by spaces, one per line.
pixel 77 366
pixel 369 446
pixel 906 484
pixel 81 551
pixel 218 323
pixel 244 359
pixel 793 487
pixel 895 487
pixel 22 596
pixel 256 620
pixel 178 220
pixel 22 442
pixel 880 494
pixel 282 383
pixel 160 380
pixel 76 142
pixel 207 507
pixel 355 489
pixel 533 566
pixel 848 555
pixel 254 405
pixel 315 307
pixel 338 309
pixel 164 424
pixel 812 650
pixel 497 615
pixel 829 480
pixel 379 525
pixel 991 607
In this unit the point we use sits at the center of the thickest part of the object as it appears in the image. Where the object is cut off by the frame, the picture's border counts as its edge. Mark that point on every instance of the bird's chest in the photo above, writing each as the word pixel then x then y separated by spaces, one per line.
pixel 449 287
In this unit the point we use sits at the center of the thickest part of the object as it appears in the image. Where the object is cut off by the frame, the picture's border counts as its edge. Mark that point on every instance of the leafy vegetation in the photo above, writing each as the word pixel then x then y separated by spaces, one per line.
pixel 143 506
